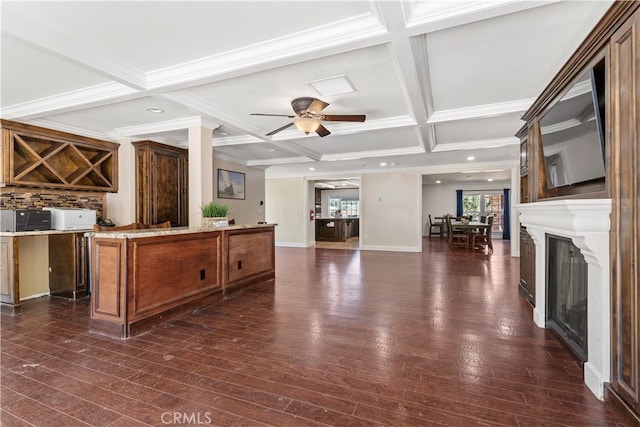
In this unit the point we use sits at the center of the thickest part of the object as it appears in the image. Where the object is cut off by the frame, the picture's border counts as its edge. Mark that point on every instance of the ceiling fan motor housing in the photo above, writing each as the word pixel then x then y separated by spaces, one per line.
pixel 300 105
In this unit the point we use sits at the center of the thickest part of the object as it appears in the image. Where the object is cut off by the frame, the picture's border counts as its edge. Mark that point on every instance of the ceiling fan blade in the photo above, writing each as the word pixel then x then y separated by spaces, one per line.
pixel 271 115
pixel 323 131
pixel 273 132
pixel 345 117
pixel 317 106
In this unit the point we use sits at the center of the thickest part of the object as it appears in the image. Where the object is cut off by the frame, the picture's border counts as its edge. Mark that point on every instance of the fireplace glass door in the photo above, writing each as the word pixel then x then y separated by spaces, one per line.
pixel 567 293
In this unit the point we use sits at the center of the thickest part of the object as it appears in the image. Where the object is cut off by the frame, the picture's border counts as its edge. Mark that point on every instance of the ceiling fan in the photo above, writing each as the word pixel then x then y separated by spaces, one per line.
pixel 309 116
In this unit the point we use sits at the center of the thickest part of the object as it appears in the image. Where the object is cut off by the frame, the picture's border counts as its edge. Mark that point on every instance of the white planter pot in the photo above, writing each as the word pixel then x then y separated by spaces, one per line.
pixel 209 223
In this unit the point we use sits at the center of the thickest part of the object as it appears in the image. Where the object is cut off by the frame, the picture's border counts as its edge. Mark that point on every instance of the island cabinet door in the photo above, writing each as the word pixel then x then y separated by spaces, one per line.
pixel 250 256
pixel 108 282
pixel 170 271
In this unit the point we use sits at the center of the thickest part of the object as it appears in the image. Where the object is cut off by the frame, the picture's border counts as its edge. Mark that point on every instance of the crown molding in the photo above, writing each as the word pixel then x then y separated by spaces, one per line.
pixel 168 125
pixel 81 98
pixel 476 145
pixel 50 124
pixel 425 19
pixel 279 161
pixel 235 140
pixel 373 153
pixel 338 33
pixel 481 111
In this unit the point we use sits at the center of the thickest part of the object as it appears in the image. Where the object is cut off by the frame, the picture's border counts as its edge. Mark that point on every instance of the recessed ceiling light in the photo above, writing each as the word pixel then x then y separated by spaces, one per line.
pixel 383 164
pixel 270 149
pixel 332 85
pixel 393 164
pixel 438 182
pixel 471 158
pixel 155 110
pixel 490 179
pixel 312 169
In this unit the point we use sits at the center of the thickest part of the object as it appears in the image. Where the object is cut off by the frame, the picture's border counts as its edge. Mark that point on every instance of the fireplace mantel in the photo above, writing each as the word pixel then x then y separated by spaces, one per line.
pixel 587 223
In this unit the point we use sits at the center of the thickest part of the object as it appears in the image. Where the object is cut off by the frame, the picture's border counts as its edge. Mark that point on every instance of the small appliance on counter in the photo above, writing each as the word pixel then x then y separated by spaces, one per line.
pixel 72 218
pixel 15 220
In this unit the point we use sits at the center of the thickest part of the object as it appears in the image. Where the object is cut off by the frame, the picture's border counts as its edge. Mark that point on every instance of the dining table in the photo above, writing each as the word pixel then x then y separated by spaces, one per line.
pixel 469 228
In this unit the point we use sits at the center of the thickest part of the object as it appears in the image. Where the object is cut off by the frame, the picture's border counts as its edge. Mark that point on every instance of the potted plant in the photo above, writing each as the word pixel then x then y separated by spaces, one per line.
pixel 214 215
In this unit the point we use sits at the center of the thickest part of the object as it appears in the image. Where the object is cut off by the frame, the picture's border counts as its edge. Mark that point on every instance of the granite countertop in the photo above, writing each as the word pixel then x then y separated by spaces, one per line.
pixel 137 234
pixel 39 232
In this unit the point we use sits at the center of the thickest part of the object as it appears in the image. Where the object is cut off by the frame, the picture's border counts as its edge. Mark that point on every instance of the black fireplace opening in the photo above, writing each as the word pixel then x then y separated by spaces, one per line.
pixel 567 293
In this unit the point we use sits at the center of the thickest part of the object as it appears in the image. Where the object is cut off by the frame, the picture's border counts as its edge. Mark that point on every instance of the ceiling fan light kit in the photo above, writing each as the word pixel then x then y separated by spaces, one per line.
pixel 307 124
pixel 309 116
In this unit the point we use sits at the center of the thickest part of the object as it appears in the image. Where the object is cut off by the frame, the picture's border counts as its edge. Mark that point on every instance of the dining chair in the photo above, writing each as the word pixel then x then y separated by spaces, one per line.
pixel 482 239
pixel 456 237
pixel 434 227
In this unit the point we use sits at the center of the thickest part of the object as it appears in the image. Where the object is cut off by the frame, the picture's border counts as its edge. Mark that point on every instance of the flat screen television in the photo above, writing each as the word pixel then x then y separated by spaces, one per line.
pixel 572 132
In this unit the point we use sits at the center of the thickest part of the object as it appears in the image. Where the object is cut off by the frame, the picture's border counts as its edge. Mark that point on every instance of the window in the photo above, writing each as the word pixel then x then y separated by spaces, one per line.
pixel 488 203
pixel 348 207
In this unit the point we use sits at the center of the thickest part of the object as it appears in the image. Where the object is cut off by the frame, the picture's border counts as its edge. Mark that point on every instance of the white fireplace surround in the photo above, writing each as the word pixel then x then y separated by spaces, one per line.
pixel 587 223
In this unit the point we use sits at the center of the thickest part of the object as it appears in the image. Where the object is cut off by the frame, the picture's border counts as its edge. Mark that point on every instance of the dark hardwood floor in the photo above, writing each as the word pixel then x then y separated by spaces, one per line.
pixel 342 338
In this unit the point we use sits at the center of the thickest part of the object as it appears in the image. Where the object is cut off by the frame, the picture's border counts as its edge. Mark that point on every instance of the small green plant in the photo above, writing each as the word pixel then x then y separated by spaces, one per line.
pixel 213 210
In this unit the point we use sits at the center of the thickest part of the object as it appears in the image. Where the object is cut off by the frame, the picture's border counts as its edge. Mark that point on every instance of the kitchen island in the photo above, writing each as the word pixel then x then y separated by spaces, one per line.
pixel 144 277
pixel 337 229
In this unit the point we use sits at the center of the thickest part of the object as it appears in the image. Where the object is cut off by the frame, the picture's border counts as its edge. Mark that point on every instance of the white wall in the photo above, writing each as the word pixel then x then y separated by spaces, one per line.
pixel 287 205
pixel 251 210
pixel 391 206
pixel 120 207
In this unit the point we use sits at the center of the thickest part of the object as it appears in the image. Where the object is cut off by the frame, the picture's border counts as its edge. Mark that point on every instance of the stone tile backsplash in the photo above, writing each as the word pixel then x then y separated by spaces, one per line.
pixel 16 199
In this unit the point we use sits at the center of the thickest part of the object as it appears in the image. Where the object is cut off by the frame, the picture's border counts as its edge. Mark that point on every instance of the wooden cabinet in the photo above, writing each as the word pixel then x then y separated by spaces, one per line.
pixel 9 284
pixel 527 284
pixel 250 256
pixel 625 243
pixel 162 176
pixel 68 267
pixel 44 158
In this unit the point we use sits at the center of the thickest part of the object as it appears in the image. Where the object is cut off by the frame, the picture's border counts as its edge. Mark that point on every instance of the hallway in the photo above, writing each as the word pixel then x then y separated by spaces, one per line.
pixel 342 338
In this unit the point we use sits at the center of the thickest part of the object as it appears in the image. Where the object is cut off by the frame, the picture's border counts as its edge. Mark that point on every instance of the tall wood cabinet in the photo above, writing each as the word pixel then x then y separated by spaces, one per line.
pixel 162 176
pixel 625 184
pixel 612 46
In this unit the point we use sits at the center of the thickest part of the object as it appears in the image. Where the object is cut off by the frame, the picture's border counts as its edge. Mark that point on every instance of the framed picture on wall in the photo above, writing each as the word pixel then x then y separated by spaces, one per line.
pixel 230 184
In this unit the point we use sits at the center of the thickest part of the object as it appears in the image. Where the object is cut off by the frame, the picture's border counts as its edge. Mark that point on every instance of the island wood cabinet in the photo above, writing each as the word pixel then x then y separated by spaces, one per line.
pixel 162 177
pixel 624 242
pixel 44 158
pixel 250 257
pixel 141 278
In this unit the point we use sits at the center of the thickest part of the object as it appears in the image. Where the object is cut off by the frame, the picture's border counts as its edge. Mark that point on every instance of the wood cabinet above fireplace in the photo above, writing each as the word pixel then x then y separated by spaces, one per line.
pixel 613 50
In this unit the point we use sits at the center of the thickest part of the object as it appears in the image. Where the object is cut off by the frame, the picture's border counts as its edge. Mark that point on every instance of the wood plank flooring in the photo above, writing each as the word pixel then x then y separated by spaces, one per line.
pixel 340 338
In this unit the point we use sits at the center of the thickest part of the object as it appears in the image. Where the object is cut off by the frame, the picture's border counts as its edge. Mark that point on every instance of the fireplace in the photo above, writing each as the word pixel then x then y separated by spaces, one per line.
pixel 567 293
pixel 585 223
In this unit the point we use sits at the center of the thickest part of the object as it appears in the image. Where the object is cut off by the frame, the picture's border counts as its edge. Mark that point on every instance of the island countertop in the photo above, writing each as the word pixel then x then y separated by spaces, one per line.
pixel 137 234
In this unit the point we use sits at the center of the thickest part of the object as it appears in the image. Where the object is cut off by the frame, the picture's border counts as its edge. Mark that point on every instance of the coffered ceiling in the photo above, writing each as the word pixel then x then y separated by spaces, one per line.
pixel 438 81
